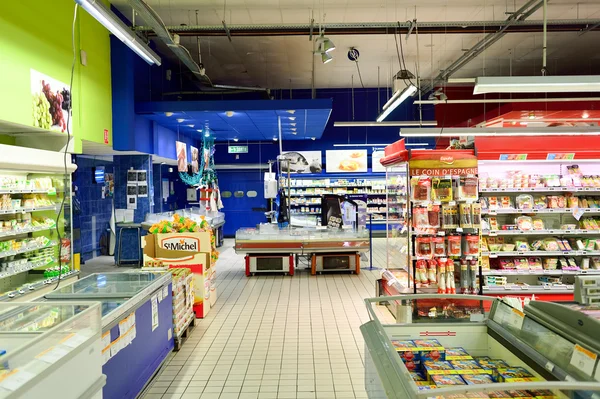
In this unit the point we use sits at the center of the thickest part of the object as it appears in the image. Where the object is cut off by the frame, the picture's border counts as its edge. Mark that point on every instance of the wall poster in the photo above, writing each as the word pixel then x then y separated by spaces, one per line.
pixel 181 150
pixel 302 162
pixel 337 161
pixel 51 101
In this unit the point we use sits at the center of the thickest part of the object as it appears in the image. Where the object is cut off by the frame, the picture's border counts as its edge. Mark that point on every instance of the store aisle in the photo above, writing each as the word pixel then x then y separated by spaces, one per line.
pixel 274 337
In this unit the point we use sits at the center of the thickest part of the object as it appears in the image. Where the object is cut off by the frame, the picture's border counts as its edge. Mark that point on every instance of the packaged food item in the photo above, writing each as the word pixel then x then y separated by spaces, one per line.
pixel 466 215
pixel 450 218
pixel 417 375
pixel 423 247
pixel 471 245
pixel 441 189
pixel 538 224
pixel 476 215
pixel 524 201
pixel 495 243
pixel 507 264
pixel 493 223
pixel 454 247
pixel 508 247
pixel 498 395
pixel 535 263
pixel 524 223
pixel 542 394
pixel 550 244
pixel 550 263
pixel 409 354
pixel 477 395
pixel 439 246
pixel 473 379
pixel 467 188
pixel 468 364
pixel 521 245
pixel 521 264
pixel 433 216
pixel 445 380
pixel 493 203
pixel 515 374
pixel 457 354
pixel 420 218
pixel 506 203
pixel 420 188
pixel 540 202
pixel 438 368
pixel 572 202
pixel 520 395
pixel 536 245
pixel 430 350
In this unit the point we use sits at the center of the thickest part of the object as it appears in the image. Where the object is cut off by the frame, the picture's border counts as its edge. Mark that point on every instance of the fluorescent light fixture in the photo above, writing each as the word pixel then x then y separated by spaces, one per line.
pixel 396 100
pixel 499 132
pixel 378 145
pixel 275 139
pixel 292 118
pixel 392 123
pixel 235 139
pixel 325 57
pixel 111 22
pixel 180 120
pixel 190 125
pixel 537 84
pixel 312 138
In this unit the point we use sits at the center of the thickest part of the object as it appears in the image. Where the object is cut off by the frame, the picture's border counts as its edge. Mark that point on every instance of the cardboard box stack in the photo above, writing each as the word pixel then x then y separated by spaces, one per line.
pixel 183 299
pixel 184 244
pixel 433 366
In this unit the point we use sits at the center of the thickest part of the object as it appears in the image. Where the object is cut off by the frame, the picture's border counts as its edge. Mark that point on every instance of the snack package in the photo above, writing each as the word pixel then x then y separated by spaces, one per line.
pixel 433 216
pixel 476 215
pixel 550 244
pixel 420 188
pixel 521 264
pixel 524 223
pixel 457 353
pixel 409 354
pixel 467 188
pixel 535 263
pixel 445 380
pixel 515 374
pixel 540 202
pixel 439 367
pixel 420 218
pixel 417 375
pixel 454 247
pixel 493 222
pixel 521 245
pixel 423 247
pixel 466 215
pixel 474 379
pixel 441 189
pixel 439 246
pixel 524 201
pixel 492 203
pixel 538 224
pixel 550 263
pixel 430 350
pixel 471 245
pixel 450 218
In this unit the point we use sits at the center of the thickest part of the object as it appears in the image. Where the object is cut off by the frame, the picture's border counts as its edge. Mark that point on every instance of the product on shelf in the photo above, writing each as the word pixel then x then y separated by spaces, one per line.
pixel 420 188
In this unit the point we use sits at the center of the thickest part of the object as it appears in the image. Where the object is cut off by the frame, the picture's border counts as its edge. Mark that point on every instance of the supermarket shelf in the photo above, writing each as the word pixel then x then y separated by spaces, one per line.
pixel 26 267
pixel 384 221
pixel 23 251
pixel 467 257
pixel 25 231
pixel 492 254
pixel 24 210
pixel 585 190
pixel 532 289
pixel 305 213
pixel 17 191
pixel 556 272
pixel 553 211
pixel 539 232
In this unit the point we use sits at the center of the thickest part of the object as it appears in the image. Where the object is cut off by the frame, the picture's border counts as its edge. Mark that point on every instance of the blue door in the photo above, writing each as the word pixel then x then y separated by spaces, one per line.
pixel 246 205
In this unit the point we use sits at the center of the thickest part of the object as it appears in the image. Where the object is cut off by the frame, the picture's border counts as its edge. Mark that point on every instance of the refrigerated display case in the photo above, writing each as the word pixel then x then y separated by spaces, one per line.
pixel 35 221
pixel 50 350
pixel 540 211
pixel 137 324
pixel 468 346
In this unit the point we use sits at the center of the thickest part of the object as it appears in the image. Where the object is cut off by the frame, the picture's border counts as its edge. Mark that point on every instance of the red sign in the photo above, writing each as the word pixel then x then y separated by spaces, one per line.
pixel 449 159
pixel 105 136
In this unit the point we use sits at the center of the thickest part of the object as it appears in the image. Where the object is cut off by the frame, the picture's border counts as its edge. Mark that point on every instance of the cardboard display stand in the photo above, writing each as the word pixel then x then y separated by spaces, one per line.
pixel 188 250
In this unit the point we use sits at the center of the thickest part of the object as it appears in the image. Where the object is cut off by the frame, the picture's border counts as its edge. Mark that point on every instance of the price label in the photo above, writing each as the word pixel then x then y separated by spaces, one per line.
pixel 74 340
pixel 52 354
pixel 584 360
pixel 16 380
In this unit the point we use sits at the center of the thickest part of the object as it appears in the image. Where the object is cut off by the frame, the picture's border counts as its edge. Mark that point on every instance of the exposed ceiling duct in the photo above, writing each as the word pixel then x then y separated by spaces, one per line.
pixel 514 25
pixel 156 24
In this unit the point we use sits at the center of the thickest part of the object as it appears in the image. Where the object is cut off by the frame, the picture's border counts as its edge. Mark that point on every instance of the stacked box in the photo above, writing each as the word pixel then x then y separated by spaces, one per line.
pixel 438 368
pixel 183 299
pixel 515 374
pixel 430 350
pixel 475 379
pixel 457 354
pixel 492 364
pixel 408 353
pixel 447 380
pixel 469 367
pixel 542 394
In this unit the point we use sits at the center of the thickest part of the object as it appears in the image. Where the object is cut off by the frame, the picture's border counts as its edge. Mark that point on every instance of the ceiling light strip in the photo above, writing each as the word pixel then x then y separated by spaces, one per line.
pixel 508 100
pixel 407 92
pixel 536 84
pixel 384 124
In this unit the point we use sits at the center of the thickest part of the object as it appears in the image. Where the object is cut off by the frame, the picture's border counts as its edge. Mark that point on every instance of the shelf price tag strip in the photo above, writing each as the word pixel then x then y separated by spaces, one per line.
pixel 583 360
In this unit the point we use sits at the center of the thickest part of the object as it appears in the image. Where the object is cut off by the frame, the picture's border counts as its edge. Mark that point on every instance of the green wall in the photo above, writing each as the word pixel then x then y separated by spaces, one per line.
pixel 36 34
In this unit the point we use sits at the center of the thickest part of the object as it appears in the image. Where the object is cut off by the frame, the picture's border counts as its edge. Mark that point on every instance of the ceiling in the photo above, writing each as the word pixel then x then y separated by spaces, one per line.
pixel 243 120
pixel 287 61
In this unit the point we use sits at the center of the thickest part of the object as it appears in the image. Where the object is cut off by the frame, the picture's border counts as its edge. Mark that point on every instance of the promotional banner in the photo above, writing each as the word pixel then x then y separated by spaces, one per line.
pixel 181 156
pixel 195 159
pixel 302 162
pixel 376 165
pixel 443 163
pixel 346 161
pixel 51 101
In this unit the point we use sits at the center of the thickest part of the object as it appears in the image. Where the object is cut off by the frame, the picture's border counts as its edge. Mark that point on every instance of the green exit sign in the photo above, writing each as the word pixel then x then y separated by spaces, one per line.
pixel 238 149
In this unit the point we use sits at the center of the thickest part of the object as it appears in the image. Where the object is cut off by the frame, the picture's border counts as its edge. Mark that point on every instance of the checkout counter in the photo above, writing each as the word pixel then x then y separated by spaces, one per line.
pixel 545 350
pixel 136 325
pixel 270 249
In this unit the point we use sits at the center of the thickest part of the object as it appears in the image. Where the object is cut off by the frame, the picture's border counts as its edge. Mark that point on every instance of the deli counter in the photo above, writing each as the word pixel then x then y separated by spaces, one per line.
pixel 50 350
pixel 137 320
pixel 468 346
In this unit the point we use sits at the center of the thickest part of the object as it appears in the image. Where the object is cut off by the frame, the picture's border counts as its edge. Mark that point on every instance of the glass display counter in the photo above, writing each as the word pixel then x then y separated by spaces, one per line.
pixel 270 239
pixel 467 346
pixel 45 345
pixel 137 321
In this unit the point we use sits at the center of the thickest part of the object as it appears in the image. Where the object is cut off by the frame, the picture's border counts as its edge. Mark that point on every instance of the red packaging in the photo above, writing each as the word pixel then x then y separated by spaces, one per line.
pixel 454 246
pixel 472 245
pixel 439 246
pixel 423 247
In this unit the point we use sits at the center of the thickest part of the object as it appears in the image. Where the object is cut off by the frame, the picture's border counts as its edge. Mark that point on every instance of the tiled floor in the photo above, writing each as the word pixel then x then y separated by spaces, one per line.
pixel 275 337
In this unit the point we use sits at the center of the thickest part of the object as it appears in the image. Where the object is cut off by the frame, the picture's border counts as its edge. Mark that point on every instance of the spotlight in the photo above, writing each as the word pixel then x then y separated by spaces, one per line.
pixel 274 138
pixel 168 114
pixel 207 134
pixel 292 118
pixel 325 58
pixel 180 120
pixel 235 139
pixel 312 138
pixel 326 44
pixel 229 113
pixel 190 125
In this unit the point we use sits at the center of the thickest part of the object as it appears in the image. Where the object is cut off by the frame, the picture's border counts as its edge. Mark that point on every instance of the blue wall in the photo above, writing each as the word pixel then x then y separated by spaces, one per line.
pixel 92 205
